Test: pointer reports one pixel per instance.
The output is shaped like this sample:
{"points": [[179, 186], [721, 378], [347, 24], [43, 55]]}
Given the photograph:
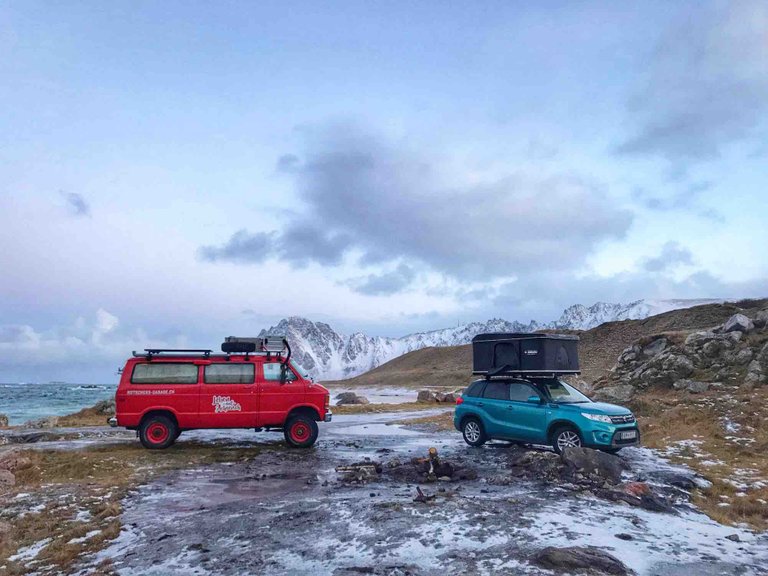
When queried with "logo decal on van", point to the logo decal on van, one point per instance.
{"points": [[225, 404]]}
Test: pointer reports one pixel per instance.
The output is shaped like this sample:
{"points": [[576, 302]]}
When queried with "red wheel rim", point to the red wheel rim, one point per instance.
{"points": [[299, 432], [157, 433]]}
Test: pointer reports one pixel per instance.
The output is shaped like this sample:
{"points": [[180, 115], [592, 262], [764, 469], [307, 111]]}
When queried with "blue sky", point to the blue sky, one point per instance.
{"points": [[173, 172]]}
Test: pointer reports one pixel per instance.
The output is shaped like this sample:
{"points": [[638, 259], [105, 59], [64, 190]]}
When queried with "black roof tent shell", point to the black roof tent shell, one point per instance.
{"points": [[526, 355]]}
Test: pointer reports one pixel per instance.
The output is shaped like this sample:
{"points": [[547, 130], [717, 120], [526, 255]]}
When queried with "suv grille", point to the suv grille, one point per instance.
{"points": [[628, 419]]}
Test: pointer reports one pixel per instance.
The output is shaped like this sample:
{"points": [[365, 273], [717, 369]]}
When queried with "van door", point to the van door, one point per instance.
{"points": [[228, 397], [276, 398]]}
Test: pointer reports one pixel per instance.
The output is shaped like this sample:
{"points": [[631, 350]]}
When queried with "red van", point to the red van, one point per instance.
{"points": [[254, 384]]}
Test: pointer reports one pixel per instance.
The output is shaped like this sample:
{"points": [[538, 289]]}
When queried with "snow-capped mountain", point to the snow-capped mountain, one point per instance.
{"points": [[328, 355]]}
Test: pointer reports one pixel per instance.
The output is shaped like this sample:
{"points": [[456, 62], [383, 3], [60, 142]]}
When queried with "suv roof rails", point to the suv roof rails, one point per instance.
{"points": [[149, 352]]}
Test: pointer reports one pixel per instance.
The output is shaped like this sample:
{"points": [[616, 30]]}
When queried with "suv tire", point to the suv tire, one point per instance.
{"points": [[565, 436], [158, 432], [473, 432], [300, 431]]}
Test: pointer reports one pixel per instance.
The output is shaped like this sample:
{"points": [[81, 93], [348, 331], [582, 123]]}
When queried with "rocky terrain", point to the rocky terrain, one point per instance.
{"points": [[371, 498], [326, 354]]}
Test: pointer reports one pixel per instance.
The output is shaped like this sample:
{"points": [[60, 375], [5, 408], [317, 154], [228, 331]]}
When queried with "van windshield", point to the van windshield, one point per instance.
{"points": [[299, 369], [563, 393]]}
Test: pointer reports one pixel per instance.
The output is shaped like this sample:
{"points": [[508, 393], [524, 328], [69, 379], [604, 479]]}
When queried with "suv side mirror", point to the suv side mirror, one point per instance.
{"points": [[534, 399]]}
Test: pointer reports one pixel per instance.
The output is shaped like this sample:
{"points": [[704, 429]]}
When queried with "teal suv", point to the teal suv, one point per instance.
{"points": [[544, 411]]}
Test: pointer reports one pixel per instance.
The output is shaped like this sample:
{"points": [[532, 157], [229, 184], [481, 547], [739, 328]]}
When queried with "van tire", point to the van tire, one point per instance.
{"points": [[158, 432], [563, 435], [473, 432], [300, 431]]}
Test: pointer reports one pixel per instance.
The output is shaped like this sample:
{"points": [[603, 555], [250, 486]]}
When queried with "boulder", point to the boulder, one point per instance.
{"points": [[738, 322], [48, 422], [577, 558], [426, 396], [445, 397], [743, 357], [350, 398], [3, 421], [761, 319], [655, 347], [594, 463], [105, 407], [691, 386], [620, 393]]}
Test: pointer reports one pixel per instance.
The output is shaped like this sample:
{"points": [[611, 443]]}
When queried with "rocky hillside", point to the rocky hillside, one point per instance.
{"points": [[598, 348], [328, 354], [731, 354]]}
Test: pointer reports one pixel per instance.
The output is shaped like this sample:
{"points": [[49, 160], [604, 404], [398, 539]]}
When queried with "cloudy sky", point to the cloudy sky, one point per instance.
{"points": [[173, 172]]}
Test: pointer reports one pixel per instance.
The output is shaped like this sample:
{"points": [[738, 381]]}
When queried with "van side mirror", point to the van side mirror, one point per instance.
{"points": [[534, 399]]}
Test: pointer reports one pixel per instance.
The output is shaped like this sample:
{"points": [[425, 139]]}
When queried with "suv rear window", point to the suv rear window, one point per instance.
{"points": [[229, 373], [164, 373], [475, 389], [496, 390]]}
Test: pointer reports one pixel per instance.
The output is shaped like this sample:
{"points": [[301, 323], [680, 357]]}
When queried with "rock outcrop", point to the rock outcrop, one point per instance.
{"points": [[350, 398], [574, 559], [3, 421], [734, 353]]}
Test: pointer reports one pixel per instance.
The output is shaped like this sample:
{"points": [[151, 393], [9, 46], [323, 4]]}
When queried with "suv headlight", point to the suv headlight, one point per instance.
{"points": [[597, 417]]}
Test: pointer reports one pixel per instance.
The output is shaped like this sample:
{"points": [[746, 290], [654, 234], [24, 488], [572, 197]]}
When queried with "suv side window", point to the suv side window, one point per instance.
{"points": [[228, 373], [475, 389], [164, 373], [272, 372], [496, 390], [520, 392]]}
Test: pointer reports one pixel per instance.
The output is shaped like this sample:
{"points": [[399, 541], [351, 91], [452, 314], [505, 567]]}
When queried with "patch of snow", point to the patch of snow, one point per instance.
{"points": [[87, 536], [30, 552]]}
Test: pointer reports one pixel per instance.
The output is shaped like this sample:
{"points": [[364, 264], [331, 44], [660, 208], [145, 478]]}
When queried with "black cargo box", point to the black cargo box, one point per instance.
{"points": [[502, 354]]}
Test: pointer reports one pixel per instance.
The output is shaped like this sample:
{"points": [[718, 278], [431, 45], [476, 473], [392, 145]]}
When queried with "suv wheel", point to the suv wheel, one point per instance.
{"points": [[565, 437], [300, 431], [473, 432], [158, 432]]}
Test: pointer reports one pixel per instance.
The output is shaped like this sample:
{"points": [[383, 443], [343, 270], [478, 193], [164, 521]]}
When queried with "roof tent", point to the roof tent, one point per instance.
{"points": [[508, 354]]}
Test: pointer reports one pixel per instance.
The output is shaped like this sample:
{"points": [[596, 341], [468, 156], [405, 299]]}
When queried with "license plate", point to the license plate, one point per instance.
{"points": [[628, 435]]}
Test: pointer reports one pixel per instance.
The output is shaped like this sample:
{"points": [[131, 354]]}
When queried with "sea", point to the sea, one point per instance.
{"points": [[22, 401]]}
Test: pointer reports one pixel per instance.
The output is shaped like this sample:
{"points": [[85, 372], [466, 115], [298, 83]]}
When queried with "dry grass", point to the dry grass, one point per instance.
{"points": [[85, 417], [725, 458], [379, 408], [439, 422], [93, 480]]}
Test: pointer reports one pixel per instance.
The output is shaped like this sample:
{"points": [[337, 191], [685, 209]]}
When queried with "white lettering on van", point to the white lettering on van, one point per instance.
{"points": [[225, 404]]}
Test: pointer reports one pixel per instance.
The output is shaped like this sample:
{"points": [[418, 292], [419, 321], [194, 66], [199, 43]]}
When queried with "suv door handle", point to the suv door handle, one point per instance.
{"points": [[510, 407], [480, 404]]}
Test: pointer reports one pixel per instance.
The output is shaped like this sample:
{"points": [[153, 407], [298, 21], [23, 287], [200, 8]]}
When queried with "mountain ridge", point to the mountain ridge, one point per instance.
{"points": [[329, 355]]}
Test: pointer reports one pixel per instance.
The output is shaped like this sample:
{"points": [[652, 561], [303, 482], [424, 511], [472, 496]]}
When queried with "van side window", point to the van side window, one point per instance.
{"points": [[272, 372], [521, 392], [229, 373], [164, 373], [496, 390]]}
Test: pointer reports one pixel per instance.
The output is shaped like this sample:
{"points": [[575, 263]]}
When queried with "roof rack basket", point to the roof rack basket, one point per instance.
{"points": [[149, 352]]}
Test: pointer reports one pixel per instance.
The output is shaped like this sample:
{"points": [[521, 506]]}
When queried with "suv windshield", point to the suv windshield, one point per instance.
{"points": [[563, 393]]}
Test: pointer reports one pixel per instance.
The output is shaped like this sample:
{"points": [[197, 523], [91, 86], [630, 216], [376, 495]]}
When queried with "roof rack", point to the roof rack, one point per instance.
{"points": [[149, 352]]}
